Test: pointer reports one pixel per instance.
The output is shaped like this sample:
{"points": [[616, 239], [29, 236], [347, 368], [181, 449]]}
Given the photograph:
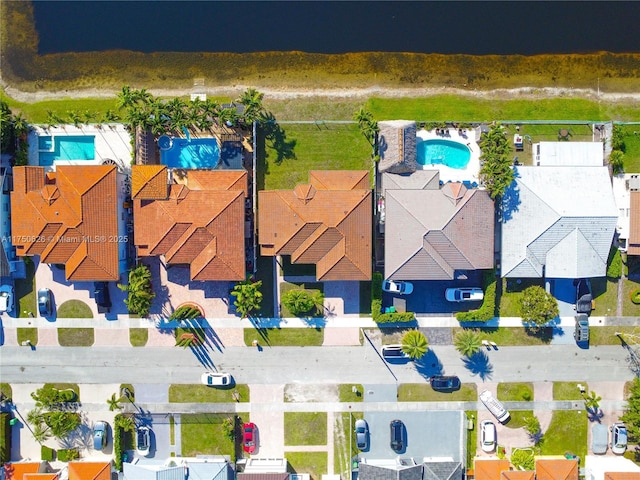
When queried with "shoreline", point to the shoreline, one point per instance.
{"points": [[285, 93]]}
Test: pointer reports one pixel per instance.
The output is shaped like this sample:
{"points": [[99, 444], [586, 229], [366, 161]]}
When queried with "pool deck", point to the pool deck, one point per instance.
{"points": [[447, 174], [112, 141]]}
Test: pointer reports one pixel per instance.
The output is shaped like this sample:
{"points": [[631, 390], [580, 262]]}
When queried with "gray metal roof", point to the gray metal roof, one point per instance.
{"points": [[558, 222], [397, 146], [432, 233]]}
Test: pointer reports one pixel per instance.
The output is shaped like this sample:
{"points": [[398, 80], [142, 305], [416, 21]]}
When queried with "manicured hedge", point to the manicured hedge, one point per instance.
{"points": [[48, 454], [5, 437], [635, 296], [68, 455], [376, 305], [614, 267], [487, 310]]}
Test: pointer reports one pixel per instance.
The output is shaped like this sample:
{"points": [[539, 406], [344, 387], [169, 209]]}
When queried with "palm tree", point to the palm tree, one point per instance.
{"points": [[467, 342], [114, 403], [75, 117], [252, 101], [111, 116], [228, 116], [140, 293], [415, 344], [248, 296], [20, 125], [125, 98], [592, 401]]}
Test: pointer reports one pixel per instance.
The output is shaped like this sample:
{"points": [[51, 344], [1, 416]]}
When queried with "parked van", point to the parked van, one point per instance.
{"points": [[496, 407], [599, 439]]}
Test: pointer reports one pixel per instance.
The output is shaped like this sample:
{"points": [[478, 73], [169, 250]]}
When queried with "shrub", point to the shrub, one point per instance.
{"points": [[301, 302], [616, 160], [635, 296], [617, 139], [121, 425], [538, 307], [229, 428], [5, 437], [186, 312], [68, 455], [523, 459], [614, 263], [487, 310], [48, 454], [376, 305]]}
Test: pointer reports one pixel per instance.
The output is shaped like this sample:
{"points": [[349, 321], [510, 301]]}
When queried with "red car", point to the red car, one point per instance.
{"points": [[249, 437]]}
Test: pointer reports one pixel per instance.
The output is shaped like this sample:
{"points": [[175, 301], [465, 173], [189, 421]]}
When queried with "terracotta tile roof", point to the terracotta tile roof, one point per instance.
{"points": [[633, 247], [65, 216], [518, 475], [327, 222], [622, 476], [149, 182], [17, 471], [490, 469], [556, 469], [89, 471], [40, 476], [211, 239]]}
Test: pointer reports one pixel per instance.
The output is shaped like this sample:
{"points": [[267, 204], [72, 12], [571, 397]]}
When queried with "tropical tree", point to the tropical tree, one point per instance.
{"points": [[496, 173], [41, 432], [75, 117], [616, 160], [631, 416], [301, 302], [538, 307], [252, 101], [114, 403], [523, 459], [125, 98], [415, 344], [592, 401], [20, 125], [248, 296], [368, 127], [467, 342], [532, 426], [228, 116], [111, 116], [140, 292], [62, 423]]}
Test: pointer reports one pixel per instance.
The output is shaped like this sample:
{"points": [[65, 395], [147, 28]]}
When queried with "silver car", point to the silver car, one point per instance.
{"points": [[618, 438], [362, 434]]}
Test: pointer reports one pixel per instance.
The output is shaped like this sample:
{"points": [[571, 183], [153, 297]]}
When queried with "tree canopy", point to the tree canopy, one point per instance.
{"points": [[496, 173], [415, 344], [631, 416], [248, 296], [538, 307]]}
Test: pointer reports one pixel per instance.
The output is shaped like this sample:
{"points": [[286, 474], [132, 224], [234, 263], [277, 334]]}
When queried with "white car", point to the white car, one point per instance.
{"points": [[463, 294], [488, 436], [213, 379], [393, 352], [6, 299], [618, 438], [401, 288]]}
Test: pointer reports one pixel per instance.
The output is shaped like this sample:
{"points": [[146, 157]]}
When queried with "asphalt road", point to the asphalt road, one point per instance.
{"points": [[307, 365]]}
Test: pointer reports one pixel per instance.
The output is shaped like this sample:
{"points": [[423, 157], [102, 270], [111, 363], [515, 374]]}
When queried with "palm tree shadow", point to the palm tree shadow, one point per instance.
{"points": [[595, 414], [479, 364], [429, 365]]}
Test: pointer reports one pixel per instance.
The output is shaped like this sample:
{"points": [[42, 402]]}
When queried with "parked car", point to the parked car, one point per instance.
{"points": [[471, 294], [100, 435], [362, 434], [495, 406], [488, 436], [401, 288], [599, 439], [143, 440], [581, 333], [618, 438], [215, 379], [45, 302], [101, 294], [397, 432], [6, 299], [249, 437], [393, 352], [441, 383], [584, 298]]}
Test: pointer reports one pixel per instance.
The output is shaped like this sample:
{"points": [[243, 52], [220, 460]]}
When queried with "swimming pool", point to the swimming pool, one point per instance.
{"points": [[196, 153], [65, 147], [446, 152]]}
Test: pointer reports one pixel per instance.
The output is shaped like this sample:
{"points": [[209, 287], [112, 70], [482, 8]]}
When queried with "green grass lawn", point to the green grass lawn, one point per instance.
{"points": [[30, 334], [25, 291], [75, 337], [311, 288], [511, 336], [607, 335], [422, 392], [284, 337], [472, 438], [511, 295], [67, 386], [202, 434], [567, 390], [566, 433], [180, 393], [515, 392], [311, 147], [342, 433], [74, 309], [305, 428], [630, 309], [605, 294], [138, 336], [632, 147], [518, 418], [313, 463], [345, 390]]}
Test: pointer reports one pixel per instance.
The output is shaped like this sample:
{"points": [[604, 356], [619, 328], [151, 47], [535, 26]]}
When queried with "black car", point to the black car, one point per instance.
{"points": [[45, 302], [441, 383], [581, 333], [397, 431], [584, 298], [101, 294]]}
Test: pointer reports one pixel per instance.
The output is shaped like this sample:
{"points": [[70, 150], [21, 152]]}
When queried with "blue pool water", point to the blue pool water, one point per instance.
{"points": [[65, 147], [446, 152], [198, 153]]}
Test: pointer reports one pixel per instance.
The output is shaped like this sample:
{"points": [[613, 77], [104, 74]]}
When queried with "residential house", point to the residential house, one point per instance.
{"points": [[610, 467], [89, 470], [201, 467], [192, 217], [490, 468], [556, 469], [68, 217], [433, 231], [518, 475], [397, 146], [27, 470], [326, 222], [557, 222], [564, 154]]}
